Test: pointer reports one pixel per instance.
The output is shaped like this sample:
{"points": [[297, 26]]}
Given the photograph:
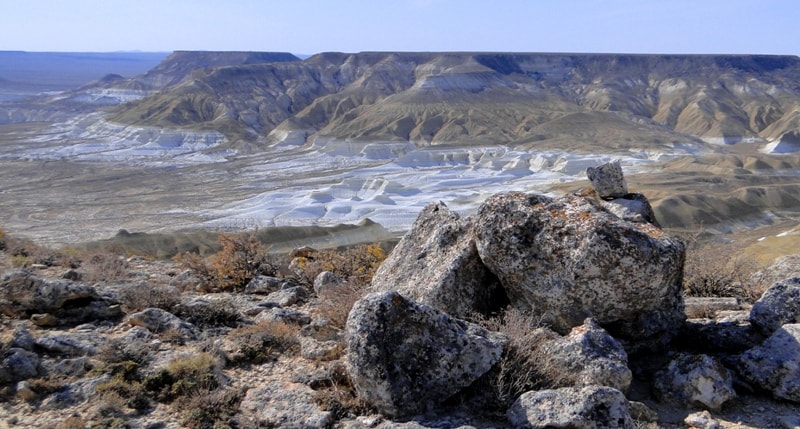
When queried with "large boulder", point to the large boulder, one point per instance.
{"points": [[696, 380], [779, 305], [405, 357], [590, 407], [592, 356], [437, 264], [773, 366], [568, 259]]}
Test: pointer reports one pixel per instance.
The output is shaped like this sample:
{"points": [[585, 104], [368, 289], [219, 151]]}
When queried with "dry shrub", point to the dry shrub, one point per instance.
{"points": [[185, 376], [210, 314], [2, 239], [720, 270], [525, 364], [241, 258], [263, 342], [72, 422], [104, 266], [356, 265], [340, 397], [137, 297], [335, 304], [24, 253], [120, 391], [210, 409]]}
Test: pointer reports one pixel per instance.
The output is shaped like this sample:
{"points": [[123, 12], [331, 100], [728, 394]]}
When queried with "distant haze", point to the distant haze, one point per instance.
{"points": [[312, 26]]}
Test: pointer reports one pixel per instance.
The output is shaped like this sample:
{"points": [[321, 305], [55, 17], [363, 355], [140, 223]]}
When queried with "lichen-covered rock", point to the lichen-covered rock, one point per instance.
{"points": [[70, 343], [701, 420], [568, 259], [608, 180], [592, 356], [285, 315], [18, 364], [773, 366], [327, 282], [286, 297], [265, 285], [157, 320], [590, 407], [633, 208], [437, 264], [696, 380], [284, 405], [779, 305], [53, 302], [405, 357]]}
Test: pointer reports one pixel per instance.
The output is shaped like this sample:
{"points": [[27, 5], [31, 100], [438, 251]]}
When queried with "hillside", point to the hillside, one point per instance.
{"points": [[486, 98]]}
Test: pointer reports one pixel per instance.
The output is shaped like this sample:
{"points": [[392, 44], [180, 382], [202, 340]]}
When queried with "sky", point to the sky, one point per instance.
{"points": [[312, 26]]}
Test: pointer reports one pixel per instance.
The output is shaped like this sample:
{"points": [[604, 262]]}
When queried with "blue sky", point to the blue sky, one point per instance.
{"points": [[311, 26]]}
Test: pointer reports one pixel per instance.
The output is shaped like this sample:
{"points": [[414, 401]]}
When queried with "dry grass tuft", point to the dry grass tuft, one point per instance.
{"points": [[264, 342], [356, 265], [210, 409], [721, 270], [335, 305]]}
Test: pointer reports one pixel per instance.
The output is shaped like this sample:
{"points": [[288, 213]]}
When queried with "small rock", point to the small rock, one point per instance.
{"points": [[593, 356], [702, 307], [22, 338], [632, 208], [779, 305], [25, 392], [327, 282], [157, 320], [265, 285], [285, 315], [312, 349], [289, 405], [697, 380], [701, 420], [591, 407], [70, 343], [19, 364], [608, 180], [641, 412], [287, 297], [72, 274]]}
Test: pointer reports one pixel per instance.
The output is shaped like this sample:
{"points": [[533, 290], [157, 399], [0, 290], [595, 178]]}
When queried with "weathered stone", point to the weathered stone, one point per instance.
{"points": [[22, 338], [696, 380], [70, 343], [590, 407], [641, 412], [265, 285], [312, 349], [592, 356], [56, 302], [701, 420], [285, 315], [25, 392], [157, 320], [286, 297], [405, 357], [779, 305], [327, 282], [18, 364], [568, 259], [608, 180], [717, 336], [72, 274], [437, 264], [284, 405], [633, 208], [772, 366]]}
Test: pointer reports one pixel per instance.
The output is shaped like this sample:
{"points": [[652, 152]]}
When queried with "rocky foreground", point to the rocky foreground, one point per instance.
{"points": [[534, 312]]}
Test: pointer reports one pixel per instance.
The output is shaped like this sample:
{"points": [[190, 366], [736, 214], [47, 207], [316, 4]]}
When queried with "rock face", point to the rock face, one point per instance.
{"points": [[698, 380], [779, 305], [608, 180], [405, 357], [596, 357], [568, 259], [773, 365], [591, 407], [52, 302], [633, 208], [437, 264]]}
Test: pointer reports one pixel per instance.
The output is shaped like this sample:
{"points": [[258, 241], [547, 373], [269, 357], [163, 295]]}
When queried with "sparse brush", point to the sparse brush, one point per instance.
{"points": [[210, 410], [215, 313], [72, 422], [131, 393], [241, 258], [720, 270], [525, 364], [137, 297], [184, 376], [357, 265], [340, 396], [263, 342], [335, 304], [104, 267]]}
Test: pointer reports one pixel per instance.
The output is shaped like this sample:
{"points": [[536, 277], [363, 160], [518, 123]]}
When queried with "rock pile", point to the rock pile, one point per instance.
{"points": [[596, 268]]}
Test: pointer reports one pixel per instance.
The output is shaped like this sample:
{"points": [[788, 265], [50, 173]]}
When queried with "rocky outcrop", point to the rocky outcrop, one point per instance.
{"points": [[406, 357], [437, 264], [695, 380], [591, 407], [53, 302], [772, 366], [567, 259], [157, 320], [779, 305], [592, 356]]}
